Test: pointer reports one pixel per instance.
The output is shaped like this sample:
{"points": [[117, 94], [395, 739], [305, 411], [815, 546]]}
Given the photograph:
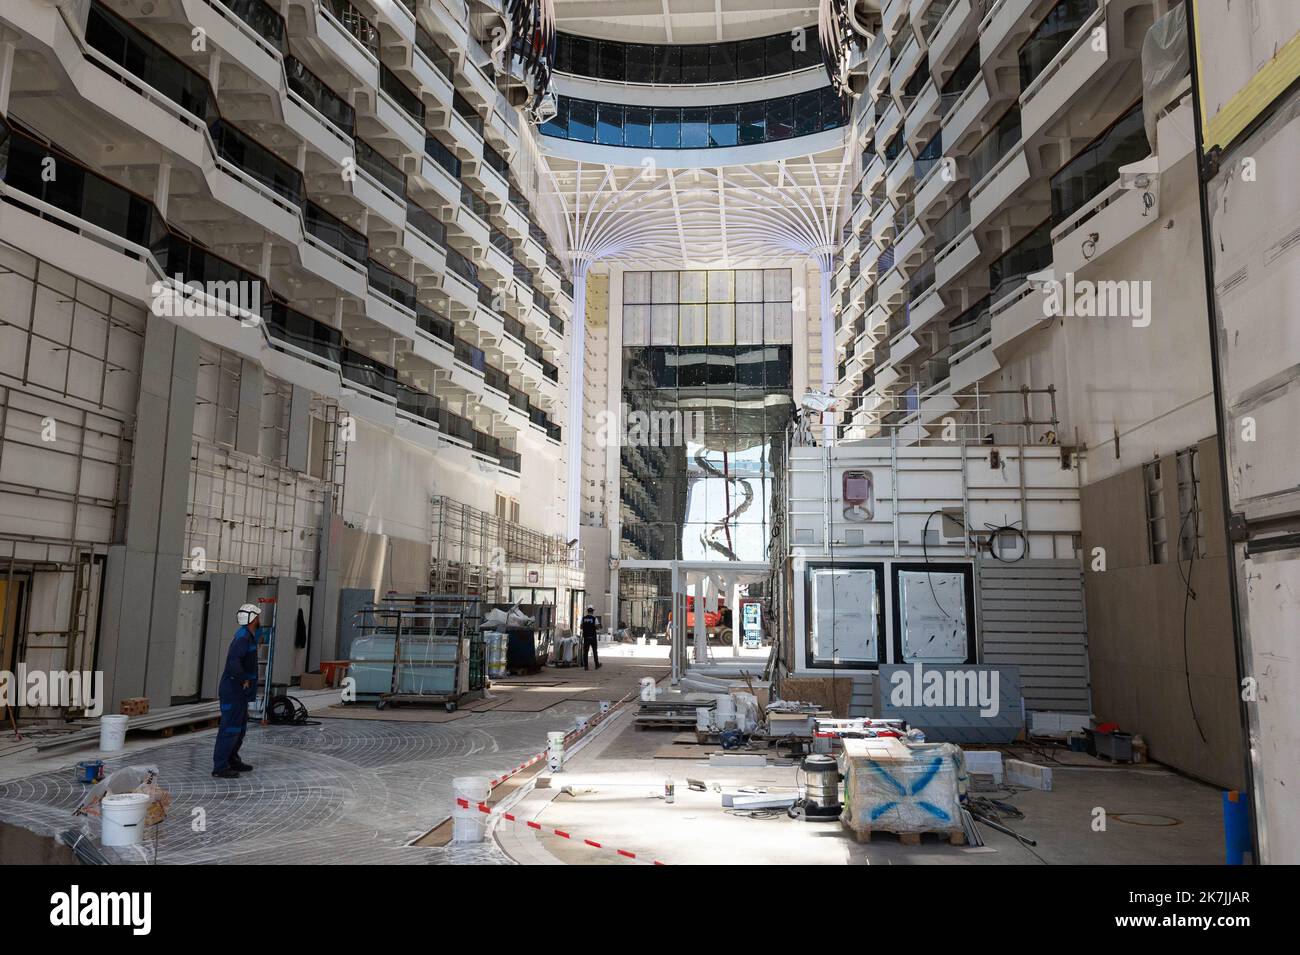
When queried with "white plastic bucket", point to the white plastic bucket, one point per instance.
{"points": [[555, 751], [604, 707], [580, 722], [123, 819], [648, 689], [112, 733], [469, 823]]}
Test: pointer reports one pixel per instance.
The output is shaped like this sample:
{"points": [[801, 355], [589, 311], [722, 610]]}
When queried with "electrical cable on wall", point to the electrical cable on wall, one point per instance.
{"points": [[1189, 595]]}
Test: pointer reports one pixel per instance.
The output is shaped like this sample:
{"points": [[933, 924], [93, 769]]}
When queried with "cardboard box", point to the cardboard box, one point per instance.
{"points": [[312, 681]]}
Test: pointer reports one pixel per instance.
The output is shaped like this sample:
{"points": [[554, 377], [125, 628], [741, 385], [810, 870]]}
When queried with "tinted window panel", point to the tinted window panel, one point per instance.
{"points": [[668, 64], [807, 113], [695, 64], [640, 63], [751, 57], [695, 128], [722, 126], [780, 119], [582, 55], [753, 123], [667, 133], [636, 127], [780, 54], [582, 121], [722, 63], [610, 127], [611, 61]]}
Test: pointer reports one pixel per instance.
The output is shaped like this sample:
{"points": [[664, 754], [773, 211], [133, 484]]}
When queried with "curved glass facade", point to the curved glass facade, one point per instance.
{"points": [[690, 63], [696, 127]]}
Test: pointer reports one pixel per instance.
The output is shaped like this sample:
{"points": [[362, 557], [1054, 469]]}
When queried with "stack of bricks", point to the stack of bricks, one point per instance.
{"points": [[135, 706]]}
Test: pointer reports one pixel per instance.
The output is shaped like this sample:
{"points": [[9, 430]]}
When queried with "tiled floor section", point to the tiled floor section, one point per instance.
{"points": [[346, 791]]}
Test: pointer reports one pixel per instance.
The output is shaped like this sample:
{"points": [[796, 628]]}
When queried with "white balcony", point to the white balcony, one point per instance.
{"points": [[887, 376], [497, 264], [891, 16], [892, 283], [967, 117], [492, 184], [534, 254], [890, 120], [424, 251], [1071, 69], [937, 185], [882, 226], [877, 319], [957, 23], [922, 118], [898, 178], [399, 122], [443, 183], [516, 222], [1015, 315], [467, 230], [878, 76], [1006, 26], [1106, 222], [903, 347], [435, 88], [973, 363], [874, 173], [999, 187], [459, 290], [956, 258], [378, 199], [926, 308], [906, 62], [910, 247], [859, 287]]}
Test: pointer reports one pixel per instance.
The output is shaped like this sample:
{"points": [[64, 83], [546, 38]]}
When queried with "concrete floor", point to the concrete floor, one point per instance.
{"points": [[361, 790], [617, 800]]}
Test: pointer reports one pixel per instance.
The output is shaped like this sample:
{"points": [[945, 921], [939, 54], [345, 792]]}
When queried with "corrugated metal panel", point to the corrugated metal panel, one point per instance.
{"points": [[1031, 615]]}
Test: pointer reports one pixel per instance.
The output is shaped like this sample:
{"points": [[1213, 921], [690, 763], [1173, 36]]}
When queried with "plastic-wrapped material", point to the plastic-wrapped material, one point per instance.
{"points": [[1164, 64], [131, 779], [900, 788]]}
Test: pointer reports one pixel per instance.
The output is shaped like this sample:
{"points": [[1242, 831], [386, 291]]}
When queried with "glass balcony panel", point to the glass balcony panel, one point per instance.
{"points": [[335, 233], [1031, 254], [667, 131], [1090, 172], [1051, 36], [636, 127], [308, 86], [695, 127], [609, 125], [988, 152]]}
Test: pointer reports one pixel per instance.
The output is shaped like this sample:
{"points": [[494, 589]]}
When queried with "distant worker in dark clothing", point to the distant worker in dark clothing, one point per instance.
{"points": [[238, 688], [590, 625]]}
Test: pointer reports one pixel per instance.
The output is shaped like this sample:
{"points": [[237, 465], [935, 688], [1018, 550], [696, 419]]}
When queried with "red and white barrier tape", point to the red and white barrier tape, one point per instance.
{"points": [[568, 737], [563, 834]]}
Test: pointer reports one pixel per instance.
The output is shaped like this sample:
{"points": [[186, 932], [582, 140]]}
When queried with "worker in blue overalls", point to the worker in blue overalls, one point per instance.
{"points": [[238, 688]]}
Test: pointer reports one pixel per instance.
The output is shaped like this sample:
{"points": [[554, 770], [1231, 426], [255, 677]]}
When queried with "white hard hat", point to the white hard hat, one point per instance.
{"points": [[247, 614]]}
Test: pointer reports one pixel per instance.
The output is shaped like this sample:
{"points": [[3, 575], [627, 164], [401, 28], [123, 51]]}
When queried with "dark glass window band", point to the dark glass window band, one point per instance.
{"points": [[688, 64], [696, 127]]}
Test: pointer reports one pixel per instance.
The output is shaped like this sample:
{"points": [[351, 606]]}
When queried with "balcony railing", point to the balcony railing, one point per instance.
{"points": [[373, 162], [999, 141], [462, 267], [933, 15], [365, 371], [335, 233], [928, 157], [302, 331], [312, 89], [466, 111], [970, 326], [149, 62], [264, 20], [953, 223], [434, 324], [474, 202], [1051, 36], [237, 147], [417, 403], [470, 355], [391, 285], [409, 102], [1085, 176], [967, 71], [1031, 254], [426, 223], [427, 45], [443, 156], [355, 23], [919, 283]]}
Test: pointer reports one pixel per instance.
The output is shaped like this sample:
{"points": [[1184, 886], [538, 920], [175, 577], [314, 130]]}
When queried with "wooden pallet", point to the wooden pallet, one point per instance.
{"points": [[664, 723], [956, 837], [166, 732]]}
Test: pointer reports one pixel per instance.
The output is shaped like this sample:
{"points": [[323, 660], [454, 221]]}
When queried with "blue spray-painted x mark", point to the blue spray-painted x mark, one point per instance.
{"points": [[905, 795]]}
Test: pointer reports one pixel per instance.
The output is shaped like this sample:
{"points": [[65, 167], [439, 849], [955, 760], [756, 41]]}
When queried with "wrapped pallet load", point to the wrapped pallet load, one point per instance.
{"points": [[907, 789]]}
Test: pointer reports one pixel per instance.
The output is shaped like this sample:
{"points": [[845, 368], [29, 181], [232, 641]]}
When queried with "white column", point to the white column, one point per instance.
{"points": [[577, 381], [824, 261], [701, 634]]}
